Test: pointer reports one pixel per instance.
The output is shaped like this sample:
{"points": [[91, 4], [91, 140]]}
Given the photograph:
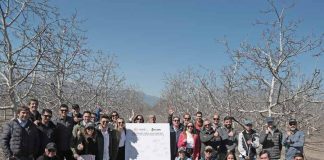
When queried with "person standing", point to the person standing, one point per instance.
{"points": [[175, 130], [248, 141], [271, 139], [75, 114], [191, 141], [121, 129], [293, 140], [46, 130], [228, 134], [20, 136], [216, 123], [35, 116], [211, 138], [87, 143], [198, 121], [63, 133], [107, 140]]}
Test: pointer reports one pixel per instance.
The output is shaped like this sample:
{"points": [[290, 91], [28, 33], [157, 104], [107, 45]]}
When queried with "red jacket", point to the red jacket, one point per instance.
{"points": [[182, 142]]}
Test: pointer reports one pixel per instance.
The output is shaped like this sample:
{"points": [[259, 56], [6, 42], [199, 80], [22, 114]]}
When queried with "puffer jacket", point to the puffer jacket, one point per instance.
{"points": [[272, 143], [20, 141], [46, 135]]}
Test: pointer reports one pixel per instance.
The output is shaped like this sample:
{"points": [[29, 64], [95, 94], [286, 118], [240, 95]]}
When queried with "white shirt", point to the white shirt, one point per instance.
{"points": [[122, 139], [22, 123], [106, 145], [190, 140]]}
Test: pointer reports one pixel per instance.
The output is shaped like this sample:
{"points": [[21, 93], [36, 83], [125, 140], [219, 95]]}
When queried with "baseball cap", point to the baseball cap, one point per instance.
{"points": [[269, 119], [181, 149], [292, 120], [248, 122], [90, 125], [51, 146], [209, 148]]}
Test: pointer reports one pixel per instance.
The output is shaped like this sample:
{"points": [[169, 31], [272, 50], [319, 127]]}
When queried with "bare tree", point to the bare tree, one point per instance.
{"points": [[23, 42]]}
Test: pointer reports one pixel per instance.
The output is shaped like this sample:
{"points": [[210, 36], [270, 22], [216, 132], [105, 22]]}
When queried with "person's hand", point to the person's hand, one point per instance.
{"points": [[249, 142], [76, 156], [132, 116], [171, 111], [216, 134], [267, 131], [36, 122], [231, 134], [80, 147]]}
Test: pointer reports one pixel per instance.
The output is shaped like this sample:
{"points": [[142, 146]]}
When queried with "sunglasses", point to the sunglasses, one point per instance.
{"points": [[104, 121], [216, 118], [47, 116], [176, 120], [120, 122], [292, 123], [64, 110], [209, 151]]}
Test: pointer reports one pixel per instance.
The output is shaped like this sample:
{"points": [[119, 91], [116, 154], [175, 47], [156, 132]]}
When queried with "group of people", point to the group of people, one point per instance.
{"points": [[204, 139], [101, 136]]}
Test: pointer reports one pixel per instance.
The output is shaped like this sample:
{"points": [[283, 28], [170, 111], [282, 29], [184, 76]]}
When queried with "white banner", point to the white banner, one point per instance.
{"points": [[145, 141]]}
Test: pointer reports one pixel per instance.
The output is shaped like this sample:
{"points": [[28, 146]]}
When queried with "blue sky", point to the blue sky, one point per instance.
{"points": [[152, 38]]}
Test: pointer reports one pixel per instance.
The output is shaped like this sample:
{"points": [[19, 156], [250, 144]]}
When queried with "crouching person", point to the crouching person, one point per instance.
{"points": [[50, 152]]}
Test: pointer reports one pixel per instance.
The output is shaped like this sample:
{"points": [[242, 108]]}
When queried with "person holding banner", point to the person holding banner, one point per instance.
{"points": [[191, 141]]}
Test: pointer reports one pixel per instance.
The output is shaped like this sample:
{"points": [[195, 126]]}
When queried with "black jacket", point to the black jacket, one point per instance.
{"points": [[19, 141], [63, 133], [46, 135]]}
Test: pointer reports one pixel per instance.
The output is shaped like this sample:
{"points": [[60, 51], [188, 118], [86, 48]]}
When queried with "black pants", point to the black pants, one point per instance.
{"points": [[68, 155], [121, 153]]}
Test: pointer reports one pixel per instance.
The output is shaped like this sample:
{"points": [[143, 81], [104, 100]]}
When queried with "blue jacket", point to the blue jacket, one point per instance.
{"points": [[293, 143]]}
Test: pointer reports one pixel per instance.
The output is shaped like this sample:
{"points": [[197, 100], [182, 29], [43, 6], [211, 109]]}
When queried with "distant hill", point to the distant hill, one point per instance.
{"points": [[150, 100]]}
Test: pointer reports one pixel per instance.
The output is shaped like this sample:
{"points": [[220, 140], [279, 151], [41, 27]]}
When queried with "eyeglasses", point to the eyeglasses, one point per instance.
{"points": [[47, 116], [216, 118], [292, 123]]}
